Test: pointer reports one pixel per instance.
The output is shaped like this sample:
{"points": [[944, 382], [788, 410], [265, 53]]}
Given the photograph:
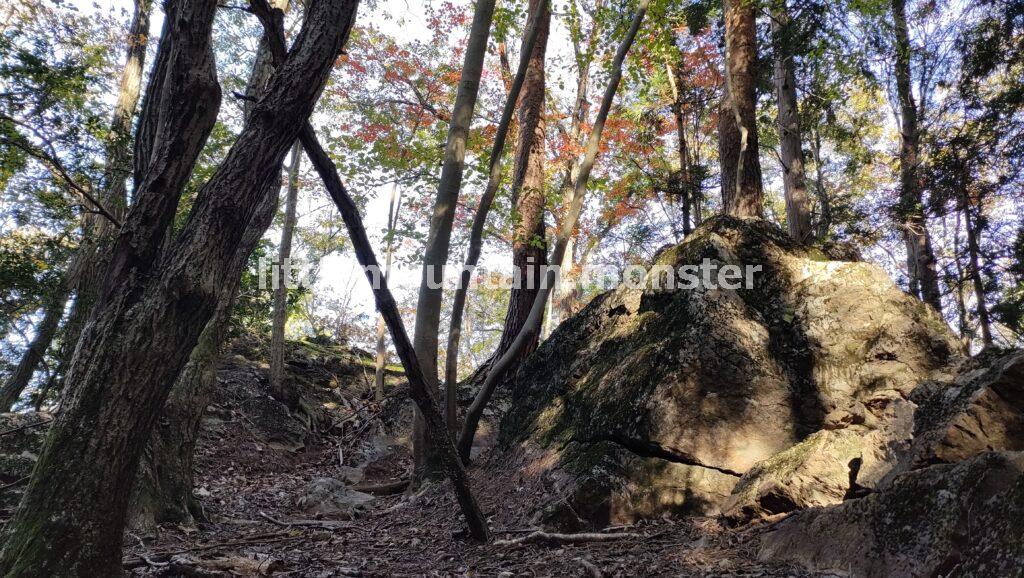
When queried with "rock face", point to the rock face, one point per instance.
{"points": [[658, 399], [945, 520]]}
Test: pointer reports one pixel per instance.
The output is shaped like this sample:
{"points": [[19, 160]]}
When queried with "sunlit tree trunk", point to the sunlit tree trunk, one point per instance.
{"points": [[529, 246], [394, 205], [435, 254], [798, 211], [742, 193], [284, 255], [924, 279], [509, 361], [506, 127]]}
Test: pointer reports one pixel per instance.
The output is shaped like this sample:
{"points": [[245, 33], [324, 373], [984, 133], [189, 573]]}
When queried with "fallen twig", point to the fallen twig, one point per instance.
{"points": [[24, 427], [268, 538], [592, 570], [548, 539], [328, 524], [16, 482]]}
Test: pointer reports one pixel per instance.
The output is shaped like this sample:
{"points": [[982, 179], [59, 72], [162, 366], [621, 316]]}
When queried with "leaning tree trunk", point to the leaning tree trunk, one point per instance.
{"points": [[419, 389], [165, 480], [742, 193], [531, 328], [529, 247], [798, 211], [435, 255], [924, 278], [53, 311], [154, 304], [284, 255]]}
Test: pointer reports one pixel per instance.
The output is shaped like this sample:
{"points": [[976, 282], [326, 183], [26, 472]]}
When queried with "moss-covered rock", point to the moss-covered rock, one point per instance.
{"points": [[720, 379]]}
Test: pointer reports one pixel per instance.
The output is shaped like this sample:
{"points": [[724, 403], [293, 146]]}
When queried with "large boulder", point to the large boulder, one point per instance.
{"points": [[964, 519], [658, 399]]}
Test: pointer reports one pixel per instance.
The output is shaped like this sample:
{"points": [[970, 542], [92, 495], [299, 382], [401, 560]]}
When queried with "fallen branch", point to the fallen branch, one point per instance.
{"points": [[385, 489], [328, 524], [268, 538], [591, 569], [546, 539], [25, 427]]}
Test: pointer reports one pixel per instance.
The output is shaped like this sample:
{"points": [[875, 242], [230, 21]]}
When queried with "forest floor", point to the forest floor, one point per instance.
{"points": [[251, 492]]}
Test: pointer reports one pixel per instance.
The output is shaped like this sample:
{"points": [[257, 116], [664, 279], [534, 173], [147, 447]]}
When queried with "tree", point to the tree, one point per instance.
{"points": [[435, 254], [284, 255], [924, 279], [83, 276], [529, 249], [798, 211], [531, 327], [742, 193], [534, 30], [71, 518]]}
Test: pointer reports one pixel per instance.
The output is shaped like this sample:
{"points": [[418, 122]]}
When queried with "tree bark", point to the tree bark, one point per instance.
{"points": [[435, 255], [531, 327], [742, 193], [924, 278], [476, 232], [284, 255], [529, 246], [53, 311], [798, 212], [154, 304], [165, 478]]}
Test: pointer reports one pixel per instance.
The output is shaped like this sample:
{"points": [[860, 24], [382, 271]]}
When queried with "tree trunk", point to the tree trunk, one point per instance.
{"points": [[435, 255], [284, 255], [394, 206], [974, 254], [476, 233], [154, 304], [53, 311], [87, 266], [529, 246], [798, 212], [742, 194], [825, 219], [165, 479], [565, 297], [507, 362], [418, 386], [924, 279]]}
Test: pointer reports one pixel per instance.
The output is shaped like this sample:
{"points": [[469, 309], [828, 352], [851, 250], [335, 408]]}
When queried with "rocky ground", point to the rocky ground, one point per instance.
{"points": [[283, 505]]}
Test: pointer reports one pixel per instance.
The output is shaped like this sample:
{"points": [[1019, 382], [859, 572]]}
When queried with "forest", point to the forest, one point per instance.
{"points": [[512, 287]]}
